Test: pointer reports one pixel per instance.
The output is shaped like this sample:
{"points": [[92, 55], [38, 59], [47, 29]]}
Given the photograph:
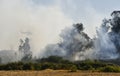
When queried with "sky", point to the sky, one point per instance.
{"points": [[43, 20], [89, 12]]}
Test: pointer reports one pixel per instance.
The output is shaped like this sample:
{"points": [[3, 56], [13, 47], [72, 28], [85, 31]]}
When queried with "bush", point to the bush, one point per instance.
{"points": [[73, 68], [58, 63], [53, 59], [37, 66], [88, 67], [110, 69], [47, 66], [28, 66]]}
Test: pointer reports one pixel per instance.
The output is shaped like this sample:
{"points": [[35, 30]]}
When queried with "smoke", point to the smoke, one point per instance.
{"points": [[77, 45], [24, 18], [42, 25], [104, 47], [73, 41], [9, 56]]}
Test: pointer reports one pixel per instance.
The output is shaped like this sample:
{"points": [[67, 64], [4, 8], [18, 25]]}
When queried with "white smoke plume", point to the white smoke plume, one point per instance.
{"points": [[42, 25], [104, 47], [19, 18], [24, 18], [76, 45], [73, 41]]}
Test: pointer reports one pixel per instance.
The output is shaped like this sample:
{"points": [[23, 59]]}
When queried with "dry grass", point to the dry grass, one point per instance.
{"points": [[54, 73]]}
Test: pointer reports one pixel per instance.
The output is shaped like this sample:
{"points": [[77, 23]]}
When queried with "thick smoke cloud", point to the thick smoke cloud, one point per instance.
{"points": [[20, 19], [73, 42], [24, 18], [112, 32], [77, 45], [104, 47]]}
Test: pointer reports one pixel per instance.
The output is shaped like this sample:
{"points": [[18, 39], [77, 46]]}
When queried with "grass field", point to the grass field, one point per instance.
{"points": [[54, 73]]}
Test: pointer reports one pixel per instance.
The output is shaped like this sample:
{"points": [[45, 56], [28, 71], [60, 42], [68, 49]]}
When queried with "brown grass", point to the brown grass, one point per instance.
{"points": [[49, 72]]}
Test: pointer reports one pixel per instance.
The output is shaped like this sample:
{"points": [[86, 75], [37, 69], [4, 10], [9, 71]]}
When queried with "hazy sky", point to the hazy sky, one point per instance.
{"points": [[102, 6], [89, 12], [45, 19]]}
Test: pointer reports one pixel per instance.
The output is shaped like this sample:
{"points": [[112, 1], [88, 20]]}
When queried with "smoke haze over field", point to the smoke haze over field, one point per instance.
{"points": [[77, 45], [48, 26], [42, 19], [23, 18]]}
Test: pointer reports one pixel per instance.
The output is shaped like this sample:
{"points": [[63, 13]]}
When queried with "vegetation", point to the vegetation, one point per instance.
{"points": [[58, 63], [110, 69]]}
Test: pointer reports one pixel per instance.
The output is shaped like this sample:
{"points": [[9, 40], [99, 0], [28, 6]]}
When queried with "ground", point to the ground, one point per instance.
{"points": [[54, 73]]}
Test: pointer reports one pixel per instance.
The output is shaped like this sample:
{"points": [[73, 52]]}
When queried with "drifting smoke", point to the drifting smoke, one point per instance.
{"points": [[109, 37], [74, 41], [24, 50], [104, 47], [77, 45], [25, 18], [23, 54]]}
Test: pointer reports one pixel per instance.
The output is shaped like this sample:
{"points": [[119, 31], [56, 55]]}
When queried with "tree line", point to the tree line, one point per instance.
{"points": [[58, 63]]}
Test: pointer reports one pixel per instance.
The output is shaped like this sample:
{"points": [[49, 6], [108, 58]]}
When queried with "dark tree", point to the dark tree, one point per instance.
{"points": [[115, 21], [79, 27], [24, 47]]}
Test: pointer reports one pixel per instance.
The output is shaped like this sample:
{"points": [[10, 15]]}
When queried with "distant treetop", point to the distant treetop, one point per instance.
{"points": [[115, 12]]}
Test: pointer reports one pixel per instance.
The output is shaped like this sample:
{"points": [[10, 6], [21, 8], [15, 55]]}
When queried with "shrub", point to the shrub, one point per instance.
{"points": [[73, 68], [28, 66], [110, 69]]}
